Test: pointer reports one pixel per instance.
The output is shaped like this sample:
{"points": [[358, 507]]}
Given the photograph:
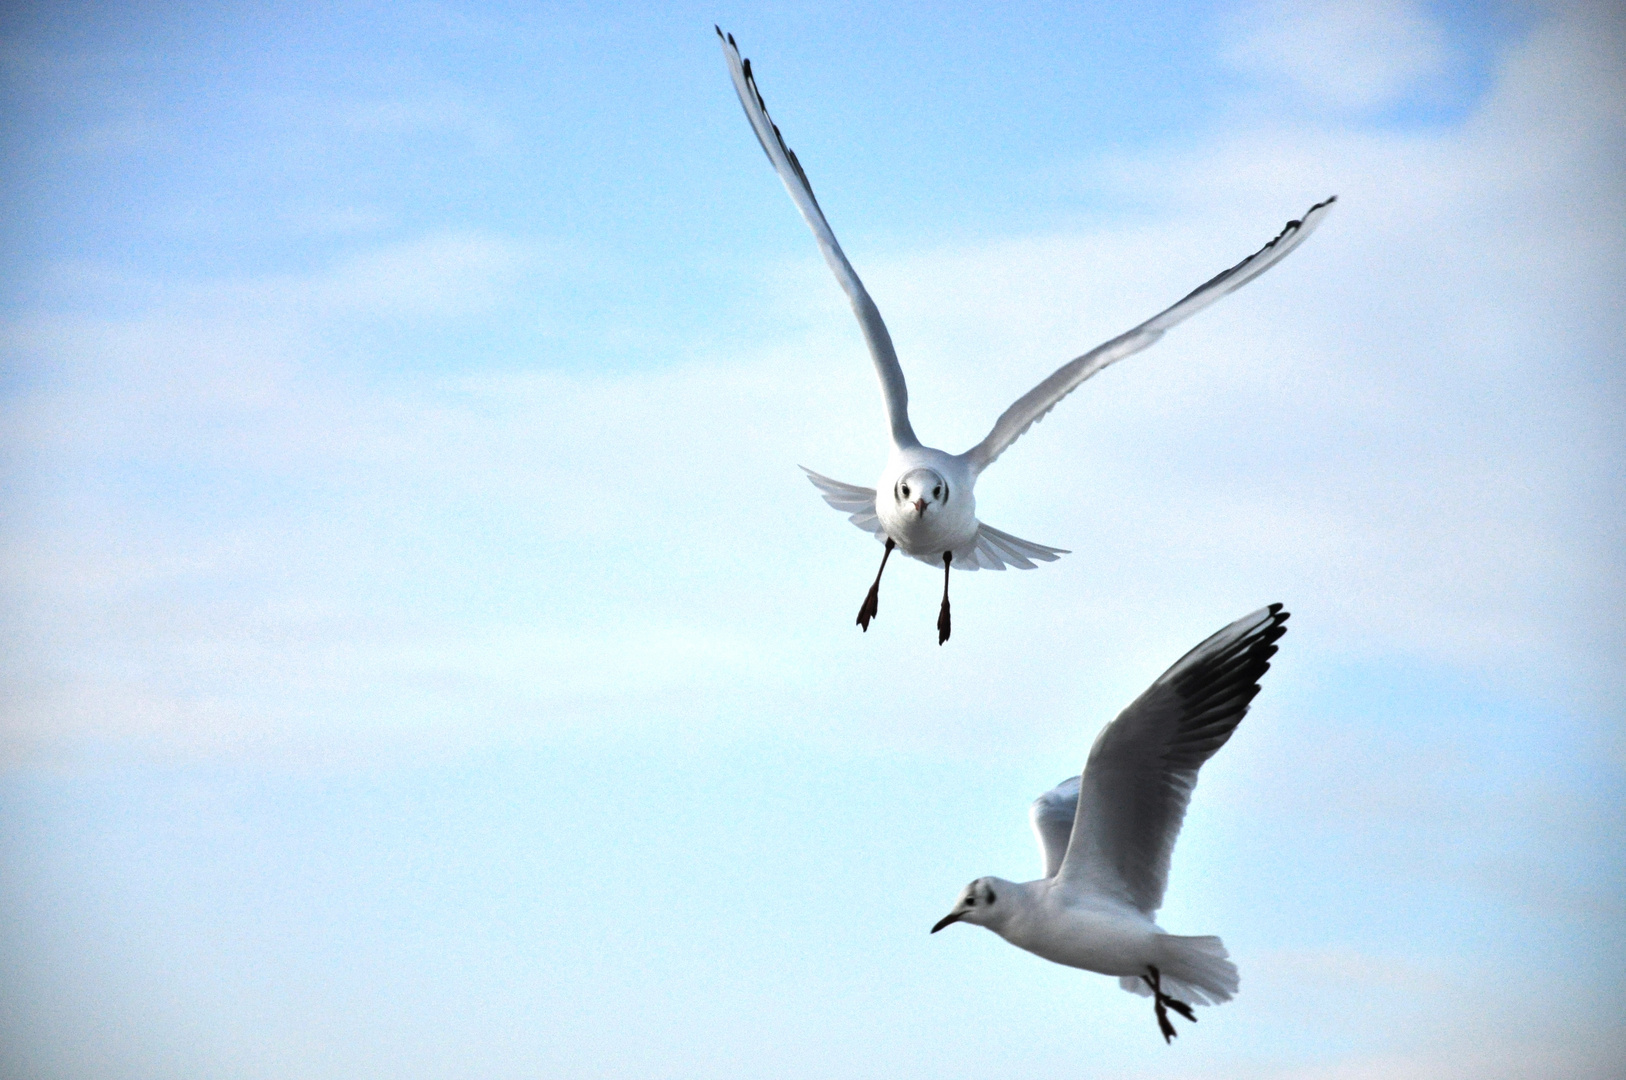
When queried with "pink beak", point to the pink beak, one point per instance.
{"points": [[920, 506]]}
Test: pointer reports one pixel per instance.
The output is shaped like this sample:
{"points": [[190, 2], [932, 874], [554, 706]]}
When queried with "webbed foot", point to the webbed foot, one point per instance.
{"points": [[1162, 1003], [872, 602]]}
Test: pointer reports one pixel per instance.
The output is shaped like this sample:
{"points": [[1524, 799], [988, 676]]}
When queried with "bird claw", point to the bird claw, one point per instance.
{"points": [[872, 606], [1161, 1003], [1163, 1023], [943, 622], [872, 602]]}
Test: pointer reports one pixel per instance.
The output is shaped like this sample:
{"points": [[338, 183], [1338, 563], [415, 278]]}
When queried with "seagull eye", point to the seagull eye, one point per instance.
{"points": [[971, 901], [906, 491], [937, 492]]}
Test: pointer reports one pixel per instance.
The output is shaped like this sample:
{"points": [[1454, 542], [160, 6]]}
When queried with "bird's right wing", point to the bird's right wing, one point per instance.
{"points": [[1141, 771], [801, 193], [856, 502], [1031, 407]]}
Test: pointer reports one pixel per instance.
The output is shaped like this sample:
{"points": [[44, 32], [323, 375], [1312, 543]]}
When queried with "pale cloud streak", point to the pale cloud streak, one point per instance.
{"points": [[1349, 55], [1400, 428], [242, 525]]}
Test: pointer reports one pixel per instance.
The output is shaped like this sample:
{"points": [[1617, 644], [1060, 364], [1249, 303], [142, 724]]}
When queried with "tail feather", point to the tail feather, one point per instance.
{"points": [[1196, 970], [991, 549]]}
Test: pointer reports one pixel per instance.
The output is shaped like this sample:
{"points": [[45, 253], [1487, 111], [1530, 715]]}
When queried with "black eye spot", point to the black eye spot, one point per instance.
{"points": [[906, 491], [937, 492], [971, 901], [991, 897]]}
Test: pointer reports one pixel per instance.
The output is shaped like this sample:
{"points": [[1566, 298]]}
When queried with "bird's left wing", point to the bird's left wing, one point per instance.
{"points": [[1141, 771], [1051, 816], [1032, 406], [801, 192], [993, 549]]}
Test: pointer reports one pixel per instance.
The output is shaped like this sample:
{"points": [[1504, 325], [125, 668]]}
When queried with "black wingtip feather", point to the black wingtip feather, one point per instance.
{"points": [[790, 155], [1219, 689], [1289, 229]]}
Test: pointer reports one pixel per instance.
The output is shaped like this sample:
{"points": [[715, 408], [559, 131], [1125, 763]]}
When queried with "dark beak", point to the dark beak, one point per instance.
{"points": [[951, 917], [920, 506]]}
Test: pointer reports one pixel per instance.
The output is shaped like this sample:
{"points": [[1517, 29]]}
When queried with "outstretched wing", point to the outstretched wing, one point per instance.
{"points": [[801, 193], [1032, 406], [856, 502], [1143, 767], [1052, 817]]}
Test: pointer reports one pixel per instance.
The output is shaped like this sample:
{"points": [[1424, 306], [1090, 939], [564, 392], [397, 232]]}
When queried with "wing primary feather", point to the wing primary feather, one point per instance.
{"points": [[1033, 406], [1144, 765], [1289, 238], [894, 391]]}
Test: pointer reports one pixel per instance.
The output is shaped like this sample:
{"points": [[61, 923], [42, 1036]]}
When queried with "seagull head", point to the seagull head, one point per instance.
{"points": [[980, 903], [920, 491]]}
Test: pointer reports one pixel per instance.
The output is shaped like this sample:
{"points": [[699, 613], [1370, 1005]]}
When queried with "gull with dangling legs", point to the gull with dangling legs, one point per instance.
{"points": [[923, 504], [1106, 836]]}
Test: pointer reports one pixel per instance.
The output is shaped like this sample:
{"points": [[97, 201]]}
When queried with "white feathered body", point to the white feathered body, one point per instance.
{"points": [[1078, 931], [951, 526], [1097, 934]]}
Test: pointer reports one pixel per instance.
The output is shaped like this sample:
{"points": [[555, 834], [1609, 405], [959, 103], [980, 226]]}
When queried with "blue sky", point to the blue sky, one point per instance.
{"points": [[424, 657]]}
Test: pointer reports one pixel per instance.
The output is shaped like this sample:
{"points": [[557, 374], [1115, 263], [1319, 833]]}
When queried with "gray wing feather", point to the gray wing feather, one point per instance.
{"points": [[801, 192], [1052, 818], [1143, 767], [1031, 407], [856, 502]]}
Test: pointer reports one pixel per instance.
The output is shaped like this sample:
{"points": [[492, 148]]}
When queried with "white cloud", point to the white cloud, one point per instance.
{"points": [[436, 277], [1401, 432], [443, 110], [1355, 55], [228, 535]]}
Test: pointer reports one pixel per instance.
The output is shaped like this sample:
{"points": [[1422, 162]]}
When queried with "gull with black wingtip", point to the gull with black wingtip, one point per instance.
{"points": [[1107, 836], [924, 504]]}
